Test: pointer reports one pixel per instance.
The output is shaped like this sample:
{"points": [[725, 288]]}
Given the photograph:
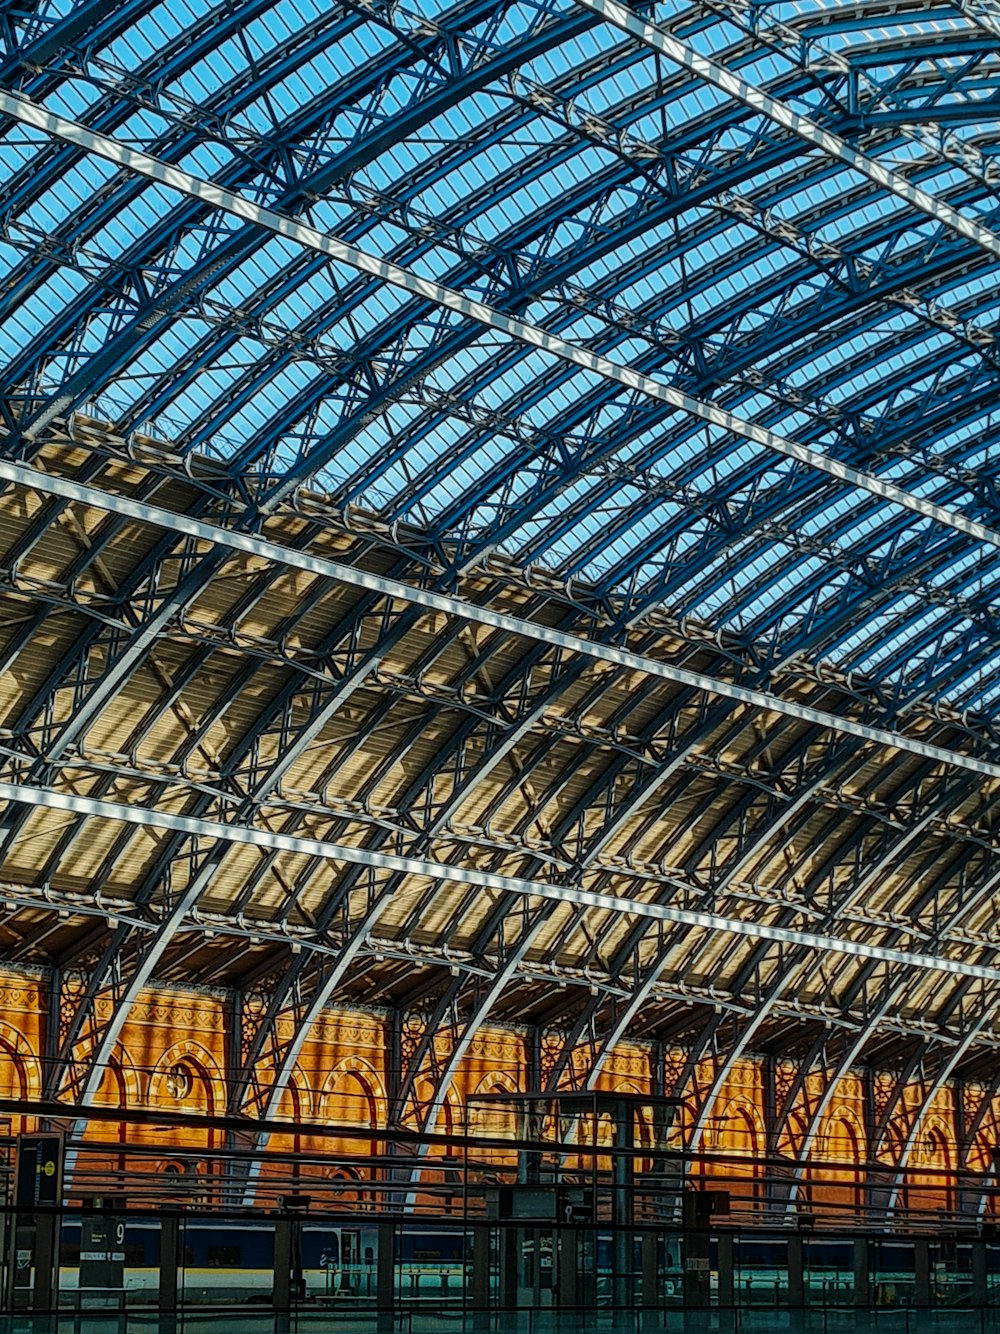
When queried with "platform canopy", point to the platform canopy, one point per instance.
{"points": [[500, 522]]}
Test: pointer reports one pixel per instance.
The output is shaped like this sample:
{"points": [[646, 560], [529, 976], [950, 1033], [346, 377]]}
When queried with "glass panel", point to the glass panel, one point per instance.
{"points": [[829, 1270], [893, 1276], [762, 1272], [225, 1262]]}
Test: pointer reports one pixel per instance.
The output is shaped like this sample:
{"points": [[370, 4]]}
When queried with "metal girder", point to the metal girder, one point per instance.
{"points": [[413, 866], [325, 986], [510, 967], [713, 72], [83, 18], [511, 962], [935, 1087], [764, 1008], [848, 1060], [790, 973], [591, 462], [227, 201], [91, 498], [397, 590]]}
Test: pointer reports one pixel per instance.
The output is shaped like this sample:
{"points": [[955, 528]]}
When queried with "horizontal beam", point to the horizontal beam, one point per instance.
{"points": [[228, 201], [66, 489], [48, 799]]}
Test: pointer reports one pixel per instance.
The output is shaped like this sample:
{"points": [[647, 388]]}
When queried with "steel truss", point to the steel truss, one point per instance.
{"points": [[653, 519]]}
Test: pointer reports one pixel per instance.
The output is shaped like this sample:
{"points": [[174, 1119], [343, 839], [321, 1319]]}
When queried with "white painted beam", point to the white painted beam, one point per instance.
{"points": [[250, 545], [753, 97], [195, 827], [218, 197]]}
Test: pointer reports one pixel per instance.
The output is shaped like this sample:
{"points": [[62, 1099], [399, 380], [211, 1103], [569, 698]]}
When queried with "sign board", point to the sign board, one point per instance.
{"points": [[38, 1178], [551, 1204], [102, 1252]]}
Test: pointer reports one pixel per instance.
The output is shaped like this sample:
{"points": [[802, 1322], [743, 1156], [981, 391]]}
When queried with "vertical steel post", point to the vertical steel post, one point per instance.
{"points": [[385, 1277], [281, 1292], [796, 1270], [921, 1272], [862, 1272], [167, 1295]]}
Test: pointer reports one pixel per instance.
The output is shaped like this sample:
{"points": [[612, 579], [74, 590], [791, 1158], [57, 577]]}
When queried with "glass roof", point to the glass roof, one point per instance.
{"points": [[539, 158]]}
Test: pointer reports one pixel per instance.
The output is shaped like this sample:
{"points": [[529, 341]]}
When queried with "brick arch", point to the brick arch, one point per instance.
{"points": [[483, 1120], [296, 1102], [121, 1088], [205, 1096], [353, 1094], [741, 1117], [843, 1144], [208, 1087], [935, 1163], [843, 1137], [20, 1068], [742, 1134]]}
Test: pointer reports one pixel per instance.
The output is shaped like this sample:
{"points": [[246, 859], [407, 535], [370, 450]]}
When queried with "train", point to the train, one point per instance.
{"points": [[230, 1262]]}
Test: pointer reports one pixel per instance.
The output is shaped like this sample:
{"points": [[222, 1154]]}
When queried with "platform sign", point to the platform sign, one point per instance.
{"points": [[102, 1252], [38, 1191], [556, 1204], [39, 1176]]}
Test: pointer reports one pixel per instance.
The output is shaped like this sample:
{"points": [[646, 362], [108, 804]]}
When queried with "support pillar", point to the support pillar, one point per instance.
{"points": [[566, 1243], [623, 1202], [509, 1267], [980, 1288], [167, 1295], [479, 1295], [43, 1296], [649, 1251], [921, 1272], [385, 1275], [281, 1292], [796, 1271], [862, 1272], [696, 1274], [727, 1270]]}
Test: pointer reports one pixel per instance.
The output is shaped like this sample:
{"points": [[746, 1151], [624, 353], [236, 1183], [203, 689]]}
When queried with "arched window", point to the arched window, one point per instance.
{"points": [[844, 1147], [936, 1154]]}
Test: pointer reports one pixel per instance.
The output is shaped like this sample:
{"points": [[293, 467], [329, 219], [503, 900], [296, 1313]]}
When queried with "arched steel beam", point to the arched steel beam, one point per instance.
{"points": [[478, 312], [801, 961], [756, 100], [529, 935], [327, 985], [970, 1034], [850, 1056], [644, 989], [84, 17], [447, 872], [781, 984], [475, 614]]}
